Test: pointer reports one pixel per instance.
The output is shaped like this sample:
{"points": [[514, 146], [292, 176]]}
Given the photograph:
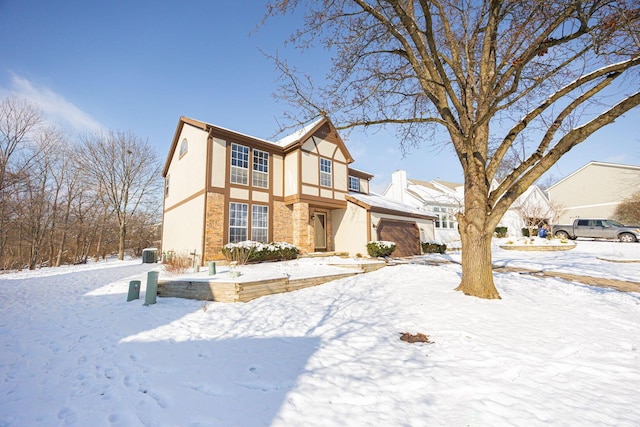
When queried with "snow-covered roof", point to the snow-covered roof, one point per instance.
{"points": [[291, 138], [374, 200]]}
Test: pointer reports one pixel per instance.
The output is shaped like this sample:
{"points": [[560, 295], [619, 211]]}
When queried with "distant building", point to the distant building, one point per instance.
{"points": [[444, 199], [594, 190]]}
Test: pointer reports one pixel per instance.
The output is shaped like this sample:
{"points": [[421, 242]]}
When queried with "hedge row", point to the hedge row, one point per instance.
{"points": [[250, 251]]}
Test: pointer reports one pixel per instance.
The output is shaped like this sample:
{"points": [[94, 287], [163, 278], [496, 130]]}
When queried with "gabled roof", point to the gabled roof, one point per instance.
{"points": [[291, 141], [299, 134], [594, 163], [374, 202], [297, 138]]}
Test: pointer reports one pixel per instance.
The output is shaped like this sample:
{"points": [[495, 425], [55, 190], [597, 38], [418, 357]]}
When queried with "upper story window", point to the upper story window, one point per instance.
{"points": [[445, 217], [260, 169], [184, 147], [325, 172], [166, 186], [239, 164], [354, 183]]}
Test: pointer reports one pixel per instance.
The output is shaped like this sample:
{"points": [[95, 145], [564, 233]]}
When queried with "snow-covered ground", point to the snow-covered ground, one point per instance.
{"points": [[74, 352]]}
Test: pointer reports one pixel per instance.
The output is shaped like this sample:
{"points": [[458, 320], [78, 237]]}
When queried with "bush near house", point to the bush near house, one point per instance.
{"points": [[250, 251], [433, 248], [380, 248], [501, 231], [177, 264]]}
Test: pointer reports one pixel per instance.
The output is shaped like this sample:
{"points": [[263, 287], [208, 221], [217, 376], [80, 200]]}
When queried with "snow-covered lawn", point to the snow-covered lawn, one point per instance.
{"points": [[73, 352]]}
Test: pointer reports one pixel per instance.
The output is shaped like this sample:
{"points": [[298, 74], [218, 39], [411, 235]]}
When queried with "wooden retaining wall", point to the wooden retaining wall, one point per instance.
{"points": [[215, 290]]}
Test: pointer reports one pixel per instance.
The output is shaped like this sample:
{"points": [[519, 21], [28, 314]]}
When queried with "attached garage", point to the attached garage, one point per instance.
{"points": [[370, 217], [405, 234]]}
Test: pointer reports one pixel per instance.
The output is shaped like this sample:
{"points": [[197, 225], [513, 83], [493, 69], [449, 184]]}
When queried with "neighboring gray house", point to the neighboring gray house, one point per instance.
{"points": [[594, 190]]}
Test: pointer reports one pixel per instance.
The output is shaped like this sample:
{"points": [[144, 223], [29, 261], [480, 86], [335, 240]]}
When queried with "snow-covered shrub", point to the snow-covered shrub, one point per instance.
{"points": [[250, 251], [433, 248], [501, 232], [380, 248]]}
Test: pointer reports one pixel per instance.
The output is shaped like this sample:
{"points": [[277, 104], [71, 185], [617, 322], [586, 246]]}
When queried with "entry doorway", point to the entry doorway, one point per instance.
{"points": [[320, 231]]}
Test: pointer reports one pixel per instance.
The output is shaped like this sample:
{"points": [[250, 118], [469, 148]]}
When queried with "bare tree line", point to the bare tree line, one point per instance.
{"points": [[64, 201]]}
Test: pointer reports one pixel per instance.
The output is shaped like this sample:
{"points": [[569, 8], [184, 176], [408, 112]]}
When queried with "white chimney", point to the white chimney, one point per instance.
{"points": [[398, 185]]}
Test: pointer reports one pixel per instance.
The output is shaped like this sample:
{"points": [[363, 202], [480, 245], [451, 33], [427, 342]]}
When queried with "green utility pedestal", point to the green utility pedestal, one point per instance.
{"points": [[212, 268], [134, 290], [152, 288]]}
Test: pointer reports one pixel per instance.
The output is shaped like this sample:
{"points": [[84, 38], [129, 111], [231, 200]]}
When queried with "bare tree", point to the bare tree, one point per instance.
{"points": [[19, 120], [535, 214], [628, 211], [125, 172], [544, 74]]}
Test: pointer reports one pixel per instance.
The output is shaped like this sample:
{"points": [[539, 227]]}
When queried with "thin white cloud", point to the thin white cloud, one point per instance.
{"points": [[54, 106]]}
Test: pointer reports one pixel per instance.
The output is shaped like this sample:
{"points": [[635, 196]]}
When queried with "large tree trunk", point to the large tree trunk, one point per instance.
{"points": [[477, 272], [476, 231]]}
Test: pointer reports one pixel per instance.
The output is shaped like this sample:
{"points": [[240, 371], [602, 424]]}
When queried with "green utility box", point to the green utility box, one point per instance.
{"points": [[152, 288], [134, 290], [149, 255]]}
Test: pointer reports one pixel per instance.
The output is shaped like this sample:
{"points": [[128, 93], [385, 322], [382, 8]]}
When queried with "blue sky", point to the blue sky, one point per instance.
{"points": [[139, 66]]}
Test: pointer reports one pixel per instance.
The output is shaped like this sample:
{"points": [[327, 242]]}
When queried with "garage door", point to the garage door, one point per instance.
{"points": [[404, 234]]}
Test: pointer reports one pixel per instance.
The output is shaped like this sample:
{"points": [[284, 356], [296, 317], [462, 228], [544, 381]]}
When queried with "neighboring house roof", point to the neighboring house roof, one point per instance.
{"points": [[594, 163], [453, 186], [293, 140], [430, 192], [376, 203]]}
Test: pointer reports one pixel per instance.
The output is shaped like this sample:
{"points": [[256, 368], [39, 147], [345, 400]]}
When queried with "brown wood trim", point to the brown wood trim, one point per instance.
{"points": [[388, 211], [299, 166], [251, 142], [359, 174], [315, 201], [187, 200], [368, 226], [207, 184], [176, 136], [400, 213]]}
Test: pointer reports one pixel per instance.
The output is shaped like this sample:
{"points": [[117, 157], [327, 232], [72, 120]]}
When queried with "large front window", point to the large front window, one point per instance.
{"points": [[260, 169], [260, 223], [239, 164], [238, 220], [325, 172]]}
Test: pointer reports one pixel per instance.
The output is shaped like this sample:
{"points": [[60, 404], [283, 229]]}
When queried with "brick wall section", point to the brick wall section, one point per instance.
{"points": [[282, 222], [330, 246], [214, 227], [302, 230]]}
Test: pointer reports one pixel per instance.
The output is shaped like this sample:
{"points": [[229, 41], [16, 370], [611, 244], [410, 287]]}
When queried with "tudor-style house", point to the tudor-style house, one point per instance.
{"points": [[223, 186]]}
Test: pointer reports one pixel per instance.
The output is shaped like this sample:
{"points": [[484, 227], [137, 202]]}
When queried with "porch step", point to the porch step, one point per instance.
{"points": [[324, 254]]}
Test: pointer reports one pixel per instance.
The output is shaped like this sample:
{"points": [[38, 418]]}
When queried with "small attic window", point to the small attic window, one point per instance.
{"points": [[184, 147], [354, 183]]}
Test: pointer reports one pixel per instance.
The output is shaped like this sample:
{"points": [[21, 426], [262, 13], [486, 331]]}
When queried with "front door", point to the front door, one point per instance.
{"points": [[320, 230]]}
